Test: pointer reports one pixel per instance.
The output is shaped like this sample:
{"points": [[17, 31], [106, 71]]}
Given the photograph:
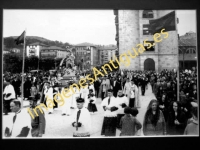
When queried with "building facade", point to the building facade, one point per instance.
{"points": [[107, 53], [53, 52], [86, 55], [188, 51], [133, 28], [34, 49]]}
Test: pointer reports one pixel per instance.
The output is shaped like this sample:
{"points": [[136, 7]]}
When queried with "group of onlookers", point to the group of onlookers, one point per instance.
{"points": [[120, 94]]}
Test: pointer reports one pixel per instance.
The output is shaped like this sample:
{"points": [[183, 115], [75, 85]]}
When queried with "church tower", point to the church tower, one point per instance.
{"points": [[133, 28]]}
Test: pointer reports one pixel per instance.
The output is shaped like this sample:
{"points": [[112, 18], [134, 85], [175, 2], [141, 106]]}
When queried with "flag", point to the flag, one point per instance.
{"points": [[20, 39], [166, 22]]}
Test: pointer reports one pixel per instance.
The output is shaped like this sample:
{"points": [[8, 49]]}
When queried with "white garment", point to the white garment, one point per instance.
{"points": [[9, 89], [127, 88], [92, 98], [84, 119], [121, 100], [113, 102], [23, 119], [132, 94], [68, 100], [84, 93], [74, 96], [49, 99], [92, 87]]}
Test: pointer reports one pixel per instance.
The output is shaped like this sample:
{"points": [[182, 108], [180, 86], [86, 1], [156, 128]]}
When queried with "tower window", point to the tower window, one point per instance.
{"points": [[147, 14], [146, 29], [152, 47]]}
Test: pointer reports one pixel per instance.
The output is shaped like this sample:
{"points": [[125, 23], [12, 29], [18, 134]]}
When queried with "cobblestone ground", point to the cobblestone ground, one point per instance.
{"points": [[58, 126]]}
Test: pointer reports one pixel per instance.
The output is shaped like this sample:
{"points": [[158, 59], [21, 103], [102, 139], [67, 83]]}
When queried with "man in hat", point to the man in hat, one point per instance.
{"points": [[82, 120], [38, 123]]}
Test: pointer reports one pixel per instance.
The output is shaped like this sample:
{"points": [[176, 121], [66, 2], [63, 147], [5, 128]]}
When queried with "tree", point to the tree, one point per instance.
{"points": [[12, 63]]}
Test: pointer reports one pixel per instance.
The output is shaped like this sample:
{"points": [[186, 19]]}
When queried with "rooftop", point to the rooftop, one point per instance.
{"points": [[108, 48], [85, 44], [189, 39], [53, 48]]}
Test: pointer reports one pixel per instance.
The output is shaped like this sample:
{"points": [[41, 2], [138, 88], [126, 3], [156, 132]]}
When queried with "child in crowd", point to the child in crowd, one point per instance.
{"points": [[91, 102], [129, 124]]}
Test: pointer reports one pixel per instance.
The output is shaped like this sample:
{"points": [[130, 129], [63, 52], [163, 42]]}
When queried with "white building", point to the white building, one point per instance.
{"points": [[34, 49]]}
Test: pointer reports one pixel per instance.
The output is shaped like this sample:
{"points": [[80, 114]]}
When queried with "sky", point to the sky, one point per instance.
{"points": [[187, 21], [76, 26]]}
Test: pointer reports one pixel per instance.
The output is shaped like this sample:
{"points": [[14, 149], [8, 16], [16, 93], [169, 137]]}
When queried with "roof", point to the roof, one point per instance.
{"points": [[53, 48], [189, 39], [38, 43], [108, 48], [85, 44]]}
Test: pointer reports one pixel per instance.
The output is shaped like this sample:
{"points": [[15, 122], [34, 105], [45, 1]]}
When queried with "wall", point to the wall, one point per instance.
{"points": [[129, 34]]}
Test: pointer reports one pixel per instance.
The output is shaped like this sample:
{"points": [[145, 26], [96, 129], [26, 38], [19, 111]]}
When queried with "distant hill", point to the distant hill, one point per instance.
{"points": [[32, 37], [9, 42]]}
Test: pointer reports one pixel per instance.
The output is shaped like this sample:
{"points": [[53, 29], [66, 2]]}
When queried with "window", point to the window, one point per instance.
{"points": [[152, 47], [190, 51], [147, 14], [146, 29]]}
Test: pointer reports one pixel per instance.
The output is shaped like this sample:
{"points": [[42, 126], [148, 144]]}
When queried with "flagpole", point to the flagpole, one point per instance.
{"points": [[177, 59], [24, 49]]}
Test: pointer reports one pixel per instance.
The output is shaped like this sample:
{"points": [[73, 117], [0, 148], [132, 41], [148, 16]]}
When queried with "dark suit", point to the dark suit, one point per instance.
{"points": [[117, 86], [97, 84], [16, 84], [38, 124], [143, 85]]}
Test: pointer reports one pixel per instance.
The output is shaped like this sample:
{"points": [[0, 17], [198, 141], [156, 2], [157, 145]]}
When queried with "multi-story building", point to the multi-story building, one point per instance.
{"points": [[188, 51], [133, 28], [86, 55], [34, 49], [53, 52], [107, 53]]}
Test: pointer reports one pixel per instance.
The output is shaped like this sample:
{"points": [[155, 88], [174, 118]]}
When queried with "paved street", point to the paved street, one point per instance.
{"points": [[60, 126]]}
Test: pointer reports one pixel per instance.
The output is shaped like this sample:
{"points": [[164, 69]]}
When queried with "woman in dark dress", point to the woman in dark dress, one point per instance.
{"points": [[176, 120], [154, 121], [164, 105]]}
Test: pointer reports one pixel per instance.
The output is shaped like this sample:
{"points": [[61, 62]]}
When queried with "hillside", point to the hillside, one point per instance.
{"points": [[9, 42]]}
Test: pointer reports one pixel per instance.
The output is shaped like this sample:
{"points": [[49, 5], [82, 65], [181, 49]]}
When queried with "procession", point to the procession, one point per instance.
{"points": [[115, 100], [103, 91]]}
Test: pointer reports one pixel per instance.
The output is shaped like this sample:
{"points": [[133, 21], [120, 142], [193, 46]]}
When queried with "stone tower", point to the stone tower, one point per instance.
{"points": [[132, 26]]}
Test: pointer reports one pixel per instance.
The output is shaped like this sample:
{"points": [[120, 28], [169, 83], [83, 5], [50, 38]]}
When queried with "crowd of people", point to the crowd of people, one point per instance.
{"points": [[120, 94]]}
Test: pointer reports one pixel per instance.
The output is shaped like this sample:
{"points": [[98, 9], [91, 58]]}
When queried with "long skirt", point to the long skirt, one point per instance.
{"points": [[132, 102], [92, 107], [109, 126]]}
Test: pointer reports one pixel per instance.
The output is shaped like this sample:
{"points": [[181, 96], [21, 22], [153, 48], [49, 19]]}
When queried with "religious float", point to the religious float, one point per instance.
{"points": [[67, 69]]}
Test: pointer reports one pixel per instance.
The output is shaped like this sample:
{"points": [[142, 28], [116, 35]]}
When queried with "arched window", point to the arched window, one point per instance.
{"points": [[147, 14], [190, 51]]}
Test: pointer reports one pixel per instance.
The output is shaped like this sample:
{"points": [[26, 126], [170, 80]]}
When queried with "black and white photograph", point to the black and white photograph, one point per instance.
{"points": [[99, 73]]}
